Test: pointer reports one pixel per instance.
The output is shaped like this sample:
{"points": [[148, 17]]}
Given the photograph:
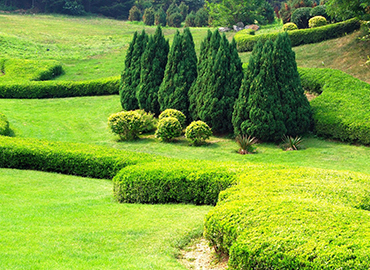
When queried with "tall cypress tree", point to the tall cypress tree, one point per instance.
{"points": [[241, 109], [130, 78], [153, 64], [295, 106], [208, 51], [220, 84], [181, 71]]}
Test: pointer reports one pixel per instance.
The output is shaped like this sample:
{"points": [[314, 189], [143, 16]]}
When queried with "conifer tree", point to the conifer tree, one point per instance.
{"points": [[214, 93], [206, 52], [153, 64], [295, 106], [131, 75], [181, 71], [160, 17]]}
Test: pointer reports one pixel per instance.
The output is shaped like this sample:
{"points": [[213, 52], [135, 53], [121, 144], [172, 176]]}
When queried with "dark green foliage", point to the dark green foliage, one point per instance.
{"points": [[4, 125], [174, 20], [320, 11], [295, 106], [299, 37], [190, 20], [219, 77], [174, 113], [148, 16], [172, 9], [181, 71], [153, 64], [266, 13], [168, 128], [67, 158], [184, 9], [160, 17], [265, 119], [132, 72], [197, 132], [301, 16], [201, 18], [172, 182], [59, 89], [292, 219], [342, 112], [134, 14]]}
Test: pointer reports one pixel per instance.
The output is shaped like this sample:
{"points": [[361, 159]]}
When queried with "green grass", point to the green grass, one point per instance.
{"points": [[53, 221], [84, 120]]}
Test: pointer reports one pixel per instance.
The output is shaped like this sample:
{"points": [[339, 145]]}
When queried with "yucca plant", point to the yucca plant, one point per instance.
{"points": [[246, 144], [291, 143]]}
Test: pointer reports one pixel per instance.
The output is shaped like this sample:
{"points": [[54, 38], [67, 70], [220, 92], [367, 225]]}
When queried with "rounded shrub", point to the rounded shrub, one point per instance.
{"points": [[190, 20], [148, 16], [4, 125], [127, 125], [174, 20], [197, 132], [174, 113], [134, 14], [301, 16], [168, 128], [149, 123], [290, 26], [317, 21]]}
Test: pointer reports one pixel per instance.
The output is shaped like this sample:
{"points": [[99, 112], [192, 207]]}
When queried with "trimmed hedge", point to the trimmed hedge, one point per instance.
{"points": [[67, 158], [342, 110], [172, 181], [294, 219], [4, 125], [60, 89], [299, 37]]}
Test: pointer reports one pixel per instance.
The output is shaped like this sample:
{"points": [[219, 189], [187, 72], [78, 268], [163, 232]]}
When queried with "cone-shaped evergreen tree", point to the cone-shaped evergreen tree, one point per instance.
{"points": [[153, 64], [181, 71], [295, 106], [220, 84], [241, 109], [208, 51], [131, 75], [265, 118]]}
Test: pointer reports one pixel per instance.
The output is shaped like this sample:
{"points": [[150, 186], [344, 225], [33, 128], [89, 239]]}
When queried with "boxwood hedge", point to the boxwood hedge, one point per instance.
{"points": [[342, 110], [67, 158], [294, 219], [4, 125], [299, 37], [173, 181]]}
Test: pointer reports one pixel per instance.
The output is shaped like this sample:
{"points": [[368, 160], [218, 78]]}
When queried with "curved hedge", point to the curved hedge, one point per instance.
{"points": [[67, 158], [59, 89], [342, 110], [175, 181], [299, 37], [4, 125], [294, 219]]}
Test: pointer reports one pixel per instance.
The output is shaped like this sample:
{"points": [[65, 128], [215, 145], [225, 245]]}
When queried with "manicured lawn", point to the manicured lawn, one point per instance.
{"points": [[53, 221]]}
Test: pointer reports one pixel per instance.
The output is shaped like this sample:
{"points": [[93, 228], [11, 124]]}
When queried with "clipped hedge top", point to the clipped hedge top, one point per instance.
{"points": [[342, 110], [294, 218]]}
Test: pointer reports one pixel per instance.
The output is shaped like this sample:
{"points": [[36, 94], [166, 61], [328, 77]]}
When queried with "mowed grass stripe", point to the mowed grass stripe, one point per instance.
{"points": [[53, 221]]}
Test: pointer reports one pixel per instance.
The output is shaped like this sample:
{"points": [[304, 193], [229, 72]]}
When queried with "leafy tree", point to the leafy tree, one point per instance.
{"points": [[219, 86], [295, 106], [301, 16], [348, 8], [181, 71], [201, 18], [184, 9], [190, 19], [174, 20], [130, 78], [160, 17], [173, 8], [134, 14], [153, 64], [148, 16]]}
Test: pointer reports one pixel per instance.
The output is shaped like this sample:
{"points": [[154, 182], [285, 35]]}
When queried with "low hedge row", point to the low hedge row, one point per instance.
{"points": [[67, 158], [4, 125], [294, 219], [173, 181], [60, 89], [299, 37], [342, 110]]}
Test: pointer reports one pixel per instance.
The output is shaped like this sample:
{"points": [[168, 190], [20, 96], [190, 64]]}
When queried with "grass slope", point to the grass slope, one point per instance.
{"points": [[53, 221]]}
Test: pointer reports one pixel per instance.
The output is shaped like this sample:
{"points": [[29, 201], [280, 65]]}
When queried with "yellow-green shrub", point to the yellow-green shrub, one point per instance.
{"points": [[127, 125], [174, 113], [197, 132], [290, 26], [168, 128], [317, 21]]}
